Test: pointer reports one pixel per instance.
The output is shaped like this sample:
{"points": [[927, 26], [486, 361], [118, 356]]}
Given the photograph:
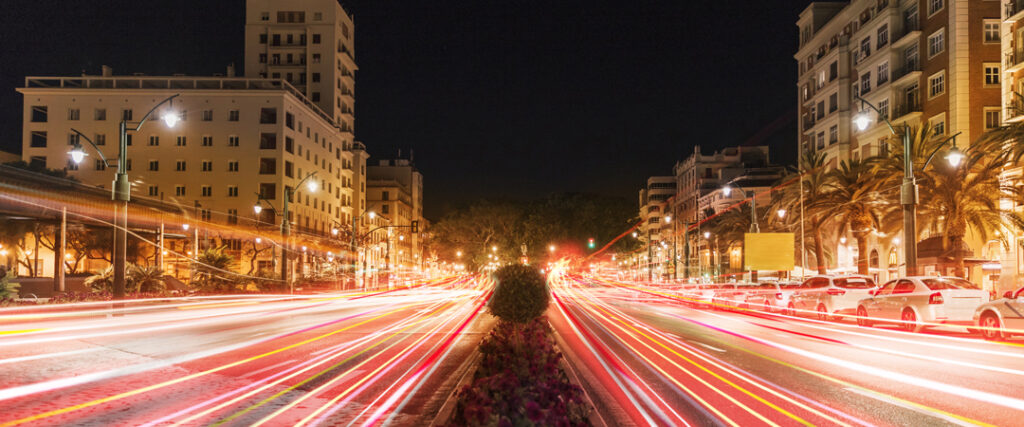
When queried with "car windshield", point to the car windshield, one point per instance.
{"points": [[949, 283], [854, 283]]}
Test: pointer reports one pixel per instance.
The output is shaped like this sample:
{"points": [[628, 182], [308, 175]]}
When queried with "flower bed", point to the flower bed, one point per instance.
{"points": [[519, 382]]}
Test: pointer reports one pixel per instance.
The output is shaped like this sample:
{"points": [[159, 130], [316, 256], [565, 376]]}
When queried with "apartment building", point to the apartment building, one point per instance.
{"points": [[934, 61], [655, 200], [395, 192]]}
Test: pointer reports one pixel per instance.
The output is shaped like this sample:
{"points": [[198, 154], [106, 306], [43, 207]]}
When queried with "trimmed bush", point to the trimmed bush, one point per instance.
{"points": [[520, 295]]}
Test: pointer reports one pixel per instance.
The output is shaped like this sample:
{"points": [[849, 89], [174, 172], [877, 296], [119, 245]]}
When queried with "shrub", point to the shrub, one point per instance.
{"points": [[213, 272], [520, 295], [8, 289], [146, 279]]}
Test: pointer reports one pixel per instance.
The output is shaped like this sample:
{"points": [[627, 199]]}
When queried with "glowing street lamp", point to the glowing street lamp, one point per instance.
{"points": [[551, 248], [257, 208], [781, 213]]}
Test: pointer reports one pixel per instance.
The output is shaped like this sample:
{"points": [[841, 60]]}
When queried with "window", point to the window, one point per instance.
{"points": [[316, 39], [154, 141], [207, 166], [71, 166], [316, 58], [264, 16], [128, 165], [100, 114], [154, 165], [233, 166], [882, 38], [821, 110], [207, 215], [865, 83], [938, 123], [384, 210], [991, 30], [232, 191], [883, 73], [833, 70], [316, 77], [865, 48], [207, 191], [37, 161], [833, 134], [179, 190], [182, 141], [288, 169], [207, 141], [183, 115], [268, 166], [316, 97], [268, 191], [39, 114], [268, 116], [233, 219], [100, 139], [384, 195], [289, 145], [992, 119], [934, 6], [73, 139], [268, 141], [991, 73], [263, 58], [911, 58], [38, 139], [936, 43], [126, 114], [291, 17], [73, 113], [233, 115], [883, 106], [937, 84], [233, 141], [179, 166], [263, 38], [289, 120], [154, 191], [318, 16], [821, 137]]}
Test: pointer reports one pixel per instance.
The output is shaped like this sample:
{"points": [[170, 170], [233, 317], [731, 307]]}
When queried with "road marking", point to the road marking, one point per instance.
{"points": [[908, 405], [712, 348], [22, 331], [260, 371]]}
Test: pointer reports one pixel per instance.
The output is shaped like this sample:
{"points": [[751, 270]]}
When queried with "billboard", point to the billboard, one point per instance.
{"points": [[768, 251]]}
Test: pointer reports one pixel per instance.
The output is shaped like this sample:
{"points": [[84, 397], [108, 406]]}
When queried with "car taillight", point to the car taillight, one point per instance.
{"points": [[836, 292], [778, 295], [935, 298]]}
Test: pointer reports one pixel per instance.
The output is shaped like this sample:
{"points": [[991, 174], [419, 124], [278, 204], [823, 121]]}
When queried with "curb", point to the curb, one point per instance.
{"points": [[466, 371], [596, 418]]}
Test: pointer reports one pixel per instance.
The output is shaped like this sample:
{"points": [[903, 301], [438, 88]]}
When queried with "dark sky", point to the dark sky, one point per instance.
{"points": [[497, 98]]}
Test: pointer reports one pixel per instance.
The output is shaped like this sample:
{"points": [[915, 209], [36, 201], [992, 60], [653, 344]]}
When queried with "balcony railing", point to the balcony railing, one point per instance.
{"points": [[906, 69], [1013, 7], [1012, 59], [906, 108]]}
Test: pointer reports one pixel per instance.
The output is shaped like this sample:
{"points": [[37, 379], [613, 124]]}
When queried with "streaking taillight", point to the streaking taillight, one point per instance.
{"points": [[935, 298], [778, 295], [836, 291]]}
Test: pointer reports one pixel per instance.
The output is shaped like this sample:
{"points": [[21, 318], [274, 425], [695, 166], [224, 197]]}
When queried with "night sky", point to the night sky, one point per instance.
{"points": [[499, 99]]}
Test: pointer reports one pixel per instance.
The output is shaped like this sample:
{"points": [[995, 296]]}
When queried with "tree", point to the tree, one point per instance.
{"points": [[852, 202], [146, 278], [815, 187], [213, 271]]}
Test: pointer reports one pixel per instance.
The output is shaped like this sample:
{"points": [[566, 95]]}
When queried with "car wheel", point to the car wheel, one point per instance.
{"points": [[910, 323], [862, 317], [822, 312], [791, 310], [991, 329]]}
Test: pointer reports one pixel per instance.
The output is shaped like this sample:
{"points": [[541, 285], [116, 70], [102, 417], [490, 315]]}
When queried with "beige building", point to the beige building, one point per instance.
{"points": [[933, 61], [240, 139], [395, 192], [655, 200]]}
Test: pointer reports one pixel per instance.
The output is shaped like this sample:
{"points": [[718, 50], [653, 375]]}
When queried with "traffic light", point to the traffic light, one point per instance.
{"points": [[590, 243], [415, 226]]}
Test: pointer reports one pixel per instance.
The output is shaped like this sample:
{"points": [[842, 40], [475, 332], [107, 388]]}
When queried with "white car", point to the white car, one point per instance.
{"points": [[731, 295], [922, 301], [1001, 318], [830, 296], [772, 296]]}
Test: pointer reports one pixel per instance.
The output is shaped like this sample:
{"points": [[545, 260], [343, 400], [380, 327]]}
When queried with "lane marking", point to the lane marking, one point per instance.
{"points": [[907, 405]]}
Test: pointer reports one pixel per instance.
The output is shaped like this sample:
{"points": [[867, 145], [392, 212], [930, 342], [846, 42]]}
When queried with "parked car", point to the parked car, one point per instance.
{"points": [[731, 295], [922, 301], [771, 296], [1001, 318], [830, 296]]}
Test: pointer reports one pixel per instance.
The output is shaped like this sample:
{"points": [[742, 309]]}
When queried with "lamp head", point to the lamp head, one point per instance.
{"points": [[707, 234], [781, 213], [185, 227], [726, 190], [257, 208], [311, 185], [862, 120], [954, 157], [170, 118], [77, 154], [334, 231], [372, 214], [668, 219]]}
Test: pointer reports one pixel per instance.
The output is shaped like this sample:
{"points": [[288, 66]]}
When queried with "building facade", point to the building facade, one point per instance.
{"points": [[395, 192]]}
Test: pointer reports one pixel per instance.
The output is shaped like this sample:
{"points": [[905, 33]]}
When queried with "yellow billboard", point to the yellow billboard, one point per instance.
{"points": [[768, 251]]}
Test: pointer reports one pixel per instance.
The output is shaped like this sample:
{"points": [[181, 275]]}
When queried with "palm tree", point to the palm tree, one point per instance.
{"points": [[102, 282], [730, 226], [815, 186], [213, 271], [147, 278], [967, 198], [1009, 137], [852, 202]]}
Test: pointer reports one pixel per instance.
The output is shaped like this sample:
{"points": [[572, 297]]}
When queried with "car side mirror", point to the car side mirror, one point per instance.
{"points": [[1008, 295]]}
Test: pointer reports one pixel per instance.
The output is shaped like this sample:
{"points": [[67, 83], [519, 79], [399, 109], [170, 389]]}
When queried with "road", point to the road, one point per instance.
{"points": [[335, 359], [649, 359]]}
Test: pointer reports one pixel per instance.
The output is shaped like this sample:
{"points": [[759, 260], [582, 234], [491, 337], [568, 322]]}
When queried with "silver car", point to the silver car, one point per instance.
{"points": [[829, 297], [771, 296], [922, 301], [1001, 318]]}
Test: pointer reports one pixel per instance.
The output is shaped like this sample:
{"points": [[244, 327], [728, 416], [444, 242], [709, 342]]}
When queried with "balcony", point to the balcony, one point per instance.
{"points": [[1015, 110], [910, 34], [1014, 11], [906, 109], [1013, 62], [907, 74]]}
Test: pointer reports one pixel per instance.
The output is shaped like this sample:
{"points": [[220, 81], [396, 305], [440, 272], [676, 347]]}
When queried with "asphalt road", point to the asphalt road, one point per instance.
{"points": [[648, 358], [334, 359]]}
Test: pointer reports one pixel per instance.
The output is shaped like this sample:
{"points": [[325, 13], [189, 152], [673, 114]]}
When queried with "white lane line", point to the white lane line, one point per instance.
{"points": [[904, 405], [260, 371], [47, 355], [712, 348]]}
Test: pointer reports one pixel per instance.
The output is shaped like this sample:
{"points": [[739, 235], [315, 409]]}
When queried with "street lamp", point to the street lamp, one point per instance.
{"points": [[781, 213], [908, 190], [726, 190], [551, 248], [286, 225], [121, 190]]}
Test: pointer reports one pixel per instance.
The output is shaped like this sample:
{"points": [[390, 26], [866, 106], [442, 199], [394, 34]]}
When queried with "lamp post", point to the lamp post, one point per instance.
{"points": [[672, 254], [121, 188], [285, 223], [754, 228], [908, 190]]}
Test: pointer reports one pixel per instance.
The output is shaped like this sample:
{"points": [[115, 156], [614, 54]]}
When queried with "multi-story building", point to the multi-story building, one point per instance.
{"points": [[655, 200], [240, 139], [395, 192]]}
